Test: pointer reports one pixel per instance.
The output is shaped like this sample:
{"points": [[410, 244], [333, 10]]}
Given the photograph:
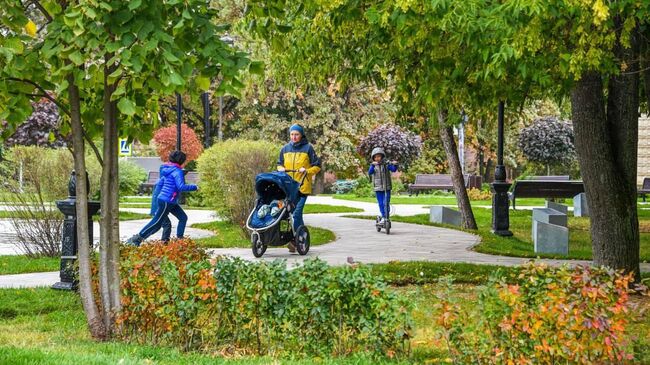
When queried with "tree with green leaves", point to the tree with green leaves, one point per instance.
{"points": [[436, 72], [442, 55], [107, 64]]}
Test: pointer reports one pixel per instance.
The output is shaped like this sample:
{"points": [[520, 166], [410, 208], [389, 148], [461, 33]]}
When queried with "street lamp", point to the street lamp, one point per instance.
{"points": [[500, 202], [179, 120]]}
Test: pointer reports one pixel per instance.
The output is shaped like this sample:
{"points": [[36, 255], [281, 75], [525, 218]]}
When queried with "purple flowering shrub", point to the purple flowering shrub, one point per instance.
{"points": [[399, 144], [548, 141], [40, 129]]}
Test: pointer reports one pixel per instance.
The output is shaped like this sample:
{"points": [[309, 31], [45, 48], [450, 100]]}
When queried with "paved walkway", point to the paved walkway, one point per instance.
{"points": [[355, 238], [127, 228]]}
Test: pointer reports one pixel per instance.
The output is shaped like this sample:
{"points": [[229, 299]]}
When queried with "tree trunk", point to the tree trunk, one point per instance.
{"points": [[319, 181], [447, 136], [95, 324], [645, 66], [109, 228], [606, 144]]}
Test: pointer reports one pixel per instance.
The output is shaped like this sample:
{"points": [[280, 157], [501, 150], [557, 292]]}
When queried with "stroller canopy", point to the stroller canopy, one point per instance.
{"points": [[276, 186]]}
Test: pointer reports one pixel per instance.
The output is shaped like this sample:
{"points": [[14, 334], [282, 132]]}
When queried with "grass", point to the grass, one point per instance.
{"points": [[228, 235], [323, 208], [520, 244], [21, 264], [48, 327]]}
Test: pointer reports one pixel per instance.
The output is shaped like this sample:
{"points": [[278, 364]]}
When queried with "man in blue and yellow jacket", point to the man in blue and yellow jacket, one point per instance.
{"points": [[299, 156]]}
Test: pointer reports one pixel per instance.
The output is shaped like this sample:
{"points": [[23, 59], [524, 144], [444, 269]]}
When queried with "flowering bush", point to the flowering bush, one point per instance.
{"points": [[40, 129], [165, 140], [543, 315], [548, 141], [478, 194], [399, 144], [173, 294]]}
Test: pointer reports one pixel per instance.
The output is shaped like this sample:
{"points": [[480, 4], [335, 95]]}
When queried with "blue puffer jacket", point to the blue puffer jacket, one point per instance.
{"points": [[171, 183]]}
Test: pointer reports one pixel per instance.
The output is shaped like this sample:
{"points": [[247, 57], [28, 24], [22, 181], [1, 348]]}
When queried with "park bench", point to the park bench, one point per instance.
{"points": [[440, 182], [147, 186], [191, 177], [546, 187], [645, 188]]}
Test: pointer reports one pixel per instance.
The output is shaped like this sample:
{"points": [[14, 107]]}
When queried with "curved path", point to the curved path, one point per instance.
{"points": [[358, 239]]}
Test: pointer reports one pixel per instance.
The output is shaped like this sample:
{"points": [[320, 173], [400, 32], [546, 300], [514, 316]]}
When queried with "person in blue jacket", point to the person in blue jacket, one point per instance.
{"points": [[165, 222], [170, 185], [381, 181]]}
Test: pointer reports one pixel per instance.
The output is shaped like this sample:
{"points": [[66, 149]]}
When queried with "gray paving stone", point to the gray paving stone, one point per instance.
{"points": [[551, 216], [444, 215], [557, 206], [550, 238], [580, 206]]}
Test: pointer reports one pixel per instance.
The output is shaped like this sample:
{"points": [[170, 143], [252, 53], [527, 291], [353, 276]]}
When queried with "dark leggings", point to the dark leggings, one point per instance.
{"points": [[161, 218]]}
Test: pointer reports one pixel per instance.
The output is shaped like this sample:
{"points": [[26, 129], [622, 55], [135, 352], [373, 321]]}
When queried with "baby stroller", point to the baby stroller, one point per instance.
{"points": [[276, 229]]}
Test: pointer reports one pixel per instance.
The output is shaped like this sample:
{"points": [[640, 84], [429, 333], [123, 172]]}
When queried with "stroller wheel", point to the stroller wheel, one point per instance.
{"points": [[258, 247], [302, 240]]}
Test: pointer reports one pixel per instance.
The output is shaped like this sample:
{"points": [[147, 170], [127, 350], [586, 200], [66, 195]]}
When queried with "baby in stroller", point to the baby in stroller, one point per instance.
{"points": [[271, 221]]}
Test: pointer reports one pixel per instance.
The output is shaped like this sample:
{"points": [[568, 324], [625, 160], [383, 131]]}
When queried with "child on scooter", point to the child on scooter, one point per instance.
{"points": [[380, 175]]}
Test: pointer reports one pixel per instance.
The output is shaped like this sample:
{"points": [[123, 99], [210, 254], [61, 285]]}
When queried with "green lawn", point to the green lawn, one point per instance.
{"points": [[230, 235], [521, 245], [21, 264], [323, 208], [47, 327], [434, 199]]}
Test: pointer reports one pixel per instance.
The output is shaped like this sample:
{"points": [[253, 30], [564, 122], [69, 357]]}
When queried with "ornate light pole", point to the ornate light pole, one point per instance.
{"points": [[70, 243], [179, 120], [500, 202]]}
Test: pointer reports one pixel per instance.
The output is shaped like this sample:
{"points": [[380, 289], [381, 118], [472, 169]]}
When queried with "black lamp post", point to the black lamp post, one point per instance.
{"points": [[70, 244], [500, 202], [179, 120], [205, 99]]}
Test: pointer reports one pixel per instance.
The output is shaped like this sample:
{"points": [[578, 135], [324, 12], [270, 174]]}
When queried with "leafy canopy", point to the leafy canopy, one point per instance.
{"points": [[137, 51]]}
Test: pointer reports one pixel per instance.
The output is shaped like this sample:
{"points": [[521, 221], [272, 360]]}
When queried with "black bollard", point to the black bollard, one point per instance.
{"points": [[69, 242], [500, 201]]}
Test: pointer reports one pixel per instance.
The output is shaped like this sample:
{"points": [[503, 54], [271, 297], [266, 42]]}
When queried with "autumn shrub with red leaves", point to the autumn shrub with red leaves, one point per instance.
{"points": [[165, 140], [543, 315], [165, 289]]}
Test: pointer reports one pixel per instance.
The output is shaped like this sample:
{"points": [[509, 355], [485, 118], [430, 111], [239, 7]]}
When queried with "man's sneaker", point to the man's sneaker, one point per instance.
{"points": [[382, 220], [291, 246]]}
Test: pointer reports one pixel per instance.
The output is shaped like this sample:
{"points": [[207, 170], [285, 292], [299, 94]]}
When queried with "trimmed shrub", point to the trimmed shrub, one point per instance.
{"points": [[168, 290], [172, 296], [476, 194], [363, 188], [543, 315], [399, 144], [548, 141], [48, 170], [165, 140], [228, 171], [131, 176]]}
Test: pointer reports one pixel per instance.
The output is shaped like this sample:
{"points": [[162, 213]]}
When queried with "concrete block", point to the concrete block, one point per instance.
{"points": [[444, 215], [550, 216], [557, 206], [550, 238], [580, 206]]}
